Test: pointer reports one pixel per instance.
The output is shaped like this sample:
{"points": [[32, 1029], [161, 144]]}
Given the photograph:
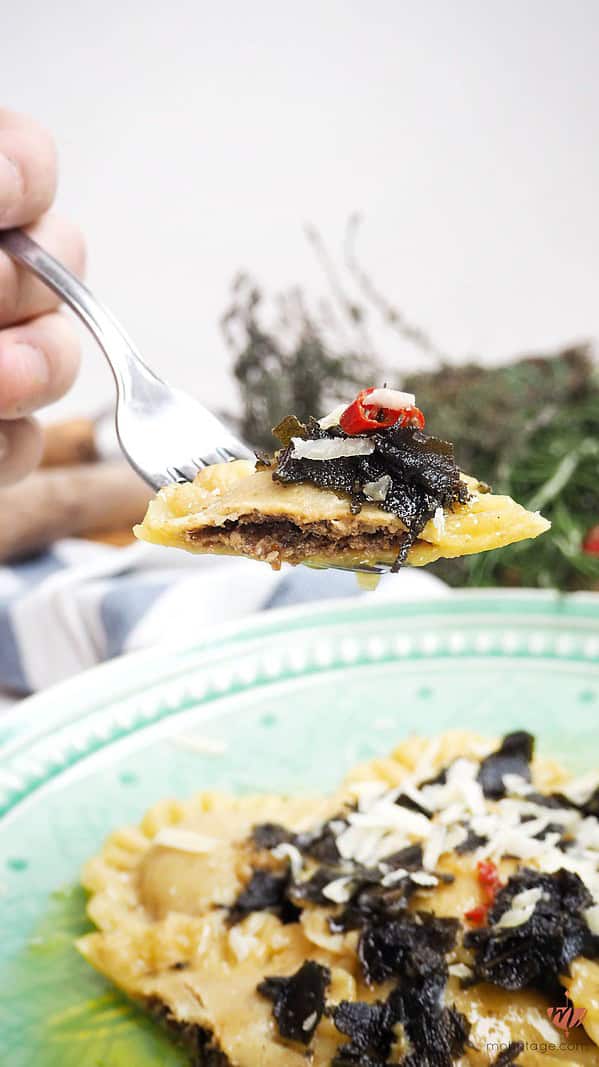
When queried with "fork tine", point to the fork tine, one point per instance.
{"points": [[225, 454], [186, 472]]}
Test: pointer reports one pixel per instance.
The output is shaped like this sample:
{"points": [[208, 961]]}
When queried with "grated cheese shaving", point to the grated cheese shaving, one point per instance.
{"points": [[424, 879], [592, 917], [394, 399], [439, 521], [378, 490], [331, 448], [185, 840], [394, 876], [523, 906], [332, 419], [287, 851], [339, 891], [581, 789]]}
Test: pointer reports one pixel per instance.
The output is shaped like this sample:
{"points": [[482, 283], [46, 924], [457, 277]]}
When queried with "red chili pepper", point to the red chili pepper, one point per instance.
{"points": [[490, 883], [361, 416], [590, 545], [412, 417], [488, 877], [477, 916]]}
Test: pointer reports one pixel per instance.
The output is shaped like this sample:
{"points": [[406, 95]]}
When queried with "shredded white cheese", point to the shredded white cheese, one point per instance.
{"points": [[394, 876], [522, 908], [378, 490], [435, 847], [288, 851], [385, 816], [424, 879], [185, 840], [331, 448], [517, 786], [338, 891], [309, 1021], [588, 833], [439, 521], [461, 789], [366, 792], [332, 419], [410, 790], [582, 789], [460, 970], [592, 917], [394, 399]]}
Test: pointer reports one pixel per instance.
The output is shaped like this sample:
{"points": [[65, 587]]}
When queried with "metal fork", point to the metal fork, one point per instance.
{"points": [[166, 435]]}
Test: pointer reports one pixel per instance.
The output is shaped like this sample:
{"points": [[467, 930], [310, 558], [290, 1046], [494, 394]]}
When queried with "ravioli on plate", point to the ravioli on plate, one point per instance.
{"points": [[441, 908]]}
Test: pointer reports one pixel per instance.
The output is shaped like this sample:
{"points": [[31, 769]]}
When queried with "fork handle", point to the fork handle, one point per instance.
{"points": [[125, 362]]}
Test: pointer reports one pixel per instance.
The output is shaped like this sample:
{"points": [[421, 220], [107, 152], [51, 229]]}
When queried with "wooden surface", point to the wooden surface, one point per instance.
{"points": [[86, 500]]}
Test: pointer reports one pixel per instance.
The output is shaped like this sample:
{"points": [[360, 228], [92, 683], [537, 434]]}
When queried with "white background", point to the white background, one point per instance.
{"points": [[197, 138]]}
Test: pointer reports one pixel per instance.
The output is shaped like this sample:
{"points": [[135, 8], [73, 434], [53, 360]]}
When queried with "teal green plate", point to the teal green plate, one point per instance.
{"points": [[284, 701]]}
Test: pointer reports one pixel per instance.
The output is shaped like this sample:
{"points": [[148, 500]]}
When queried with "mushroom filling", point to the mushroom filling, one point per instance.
{"points": [[283, 541]]}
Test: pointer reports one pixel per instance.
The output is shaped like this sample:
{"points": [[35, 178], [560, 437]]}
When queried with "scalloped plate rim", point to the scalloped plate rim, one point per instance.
{"points": [[29, 707]]}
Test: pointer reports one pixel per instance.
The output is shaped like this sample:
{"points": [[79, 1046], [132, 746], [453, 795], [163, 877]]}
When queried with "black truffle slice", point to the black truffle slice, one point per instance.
{"points": [[509, 1055], [405, 801], [437, 1035], [471, 842], [198, 1042], [369, 1027], [535, 953], [270, 834], [558, 800], [320, 844], [310, 890], [411, 1027], [422, 469], [591, 806], [512, 757], [413, 945], [298, 1001], [265, 891], [371, 901], [410, 858]]}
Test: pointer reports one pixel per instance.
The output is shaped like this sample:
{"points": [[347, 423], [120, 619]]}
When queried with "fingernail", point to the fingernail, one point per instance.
{"points": [[11, 185], [3, 446]]}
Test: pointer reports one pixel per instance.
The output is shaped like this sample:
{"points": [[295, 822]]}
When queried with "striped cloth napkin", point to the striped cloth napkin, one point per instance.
{"points": [[81, 603]]}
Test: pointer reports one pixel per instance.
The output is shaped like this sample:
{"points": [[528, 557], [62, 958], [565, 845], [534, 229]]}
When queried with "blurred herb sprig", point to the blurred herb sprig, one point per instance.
{"points": [[529, 428]]}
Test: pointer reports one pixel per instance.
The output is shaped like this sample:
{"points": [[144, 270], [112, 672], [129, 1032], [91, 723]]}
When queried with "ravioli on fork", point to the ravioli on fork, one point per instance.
{"points": [[362, 487]]}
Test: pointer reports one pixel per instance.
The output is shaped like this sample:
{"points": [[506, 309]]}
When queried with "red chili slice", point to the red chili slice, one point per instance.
{"points": [[412, 417], [477, 916], [361, 416], [490, 883]]}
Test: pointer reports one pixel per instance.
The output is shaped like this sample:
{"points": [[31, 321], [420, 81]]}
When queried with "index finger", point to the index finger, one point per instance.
{"points": [[27, 170]]}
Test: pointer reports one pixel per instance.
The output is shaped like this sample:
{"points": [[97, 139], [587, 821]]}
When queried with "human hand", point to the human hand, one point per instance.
{"points": [[39, 347]]}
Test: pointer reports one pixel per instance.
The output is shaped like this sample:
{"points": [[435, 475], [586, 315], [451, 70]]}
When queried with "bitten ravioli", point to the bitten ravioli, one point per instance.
{"points": [[232, 509], [358, 928]]}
